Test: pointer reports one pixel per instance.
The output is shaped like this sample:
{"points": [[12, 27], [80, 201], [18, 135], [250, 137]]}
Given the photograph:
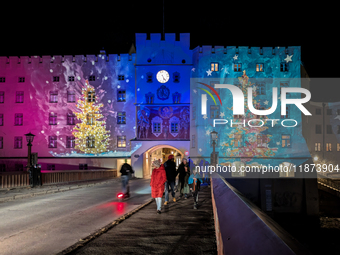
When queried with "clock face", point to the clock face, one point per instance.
{"points": [[162, 76]]}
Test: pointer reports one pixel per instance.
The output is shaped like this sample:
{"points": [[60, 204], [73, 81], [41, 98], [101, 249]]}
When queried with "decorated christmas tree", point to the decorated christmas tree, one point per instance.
{"points": [[253, 139], [90, 134]]}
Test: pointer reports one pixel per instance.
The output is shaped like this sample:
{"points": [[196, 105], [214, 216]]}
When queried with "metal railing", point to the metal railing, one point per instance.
{"points": [[21, 179]]}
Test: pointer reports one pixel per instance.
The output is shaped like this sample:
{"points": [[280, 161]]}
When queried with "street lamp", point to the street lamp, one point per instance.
{"points": [[29, 139], [213, 138]]}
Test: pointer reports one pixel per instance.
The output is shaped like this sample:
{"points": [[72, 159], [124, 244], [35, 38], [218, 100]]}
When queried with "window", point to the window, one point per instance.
{"points": [[193, 141], [18, 119], [237, 141], [287, 113], [328, 147], [18, 142], [317, 146], [71, 118], [92, 78], [286, 141], [90, 142], [338, 129], [121, 141], [283, 67], [329, 111], [19, 98], [284, 84], [156, 127], [286, 170], [237, 67], [318, 129], [120, 77], [149, 77], [214, 111], [149, 98], [70, 141], [19, 167], [2, 79], [2, 97], [318, 111], [121, 118], [82, 166], [1, 142], [90, 119], [194, 112], [261, 141], [71, 96], [261, 88], [21, 79], [329, 129], [338, 147], [53, 118], [237, 166], [2, 168], [71, 78], [174, 127], [53, 96], [1, 119], [50, 167], [176, 77], [55, 78], [52, 142], [91, 96], [121, 96], [259, 67], [176, 98], [214, 67]]}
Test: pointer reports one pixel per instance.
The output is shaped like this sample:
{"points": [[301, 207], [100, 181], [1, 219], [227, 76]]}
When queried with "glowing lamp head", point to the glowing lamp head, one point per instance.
{"points": [[315, 158]]}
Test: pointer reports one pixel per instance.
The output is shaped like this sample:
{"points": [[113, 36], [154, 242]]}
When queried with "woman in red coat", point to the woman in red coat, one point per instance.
{"points": [[158, 179]]}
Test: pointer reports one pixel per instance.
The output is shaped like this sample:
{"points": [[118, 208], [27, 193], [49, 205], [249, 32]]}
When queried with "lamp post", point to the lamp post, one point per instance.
{"points": [[213, 137], [29, 139]]}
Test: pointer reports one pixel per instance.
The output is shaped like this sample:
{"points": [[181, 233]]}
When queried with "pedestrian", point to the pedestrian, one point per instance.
{"points": [[183, 176], [195, 181], [171, 173], [126, 172], [157, 183]]}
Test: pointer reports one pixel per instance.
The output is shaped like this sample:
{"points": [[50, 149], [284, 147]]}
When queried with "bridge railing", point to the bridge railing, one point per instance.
{"points": [[242, 228], [20, 179]]}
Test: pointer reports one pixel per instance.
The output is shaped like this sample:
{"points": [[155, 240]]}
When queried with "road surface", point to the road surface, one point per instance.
{"points": [[48, 224]]}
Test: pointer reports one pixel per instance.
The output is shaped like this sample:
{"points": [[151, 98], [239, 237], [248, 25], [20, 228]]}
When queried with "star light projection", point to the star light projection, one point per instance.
{"points": [[90, 134]]}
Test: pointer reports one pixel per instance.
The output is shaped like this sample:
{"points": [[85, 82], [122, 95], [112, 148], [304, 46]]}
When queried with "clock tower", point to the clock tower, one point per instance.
{"points": [[162, 98]]}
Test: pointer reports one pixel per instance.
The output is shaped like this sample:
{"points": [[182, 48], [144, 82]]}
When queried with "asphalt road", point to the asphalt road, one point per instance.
{"points": [[48, 224]]}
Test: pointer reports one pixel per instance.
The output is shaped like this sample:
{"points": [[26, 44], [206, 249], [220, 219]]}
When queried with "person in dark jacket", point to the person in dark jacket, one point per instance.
{"points": [[171, 173], [126, 172], [183, 176]]}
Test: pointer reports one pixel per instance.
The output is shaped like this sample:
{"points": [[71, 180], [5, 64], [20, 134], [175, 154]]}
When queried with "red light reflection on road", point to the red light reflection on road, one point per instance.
{"points": [[117, 208]]}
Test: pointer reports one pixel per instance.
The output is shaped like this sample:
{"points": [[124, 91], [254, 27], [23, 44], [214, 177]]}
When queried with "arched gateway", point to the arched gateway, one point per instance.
{"points": [[141, 161]]}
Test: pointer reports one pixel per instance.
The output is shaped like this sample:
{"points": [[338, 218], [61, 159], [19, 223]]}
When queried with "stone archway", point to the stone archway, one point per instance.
{"points": [[158, 152]]}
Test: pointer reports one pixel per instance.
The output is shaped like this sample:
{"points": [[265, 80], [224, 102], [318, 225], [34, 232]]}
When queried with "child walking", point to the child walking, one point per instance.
{"points": [[195, 181]]}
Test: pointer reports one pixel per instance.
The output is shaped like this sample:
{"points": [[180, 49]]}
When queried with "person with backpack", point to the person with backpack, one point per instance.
{"points": [[183, 176], [126, 173], [195, 181]]}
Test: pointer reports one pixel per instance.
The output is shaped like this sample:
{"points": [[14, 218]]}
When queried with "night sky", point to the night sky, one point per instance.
{"points": [[72, 29]]}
